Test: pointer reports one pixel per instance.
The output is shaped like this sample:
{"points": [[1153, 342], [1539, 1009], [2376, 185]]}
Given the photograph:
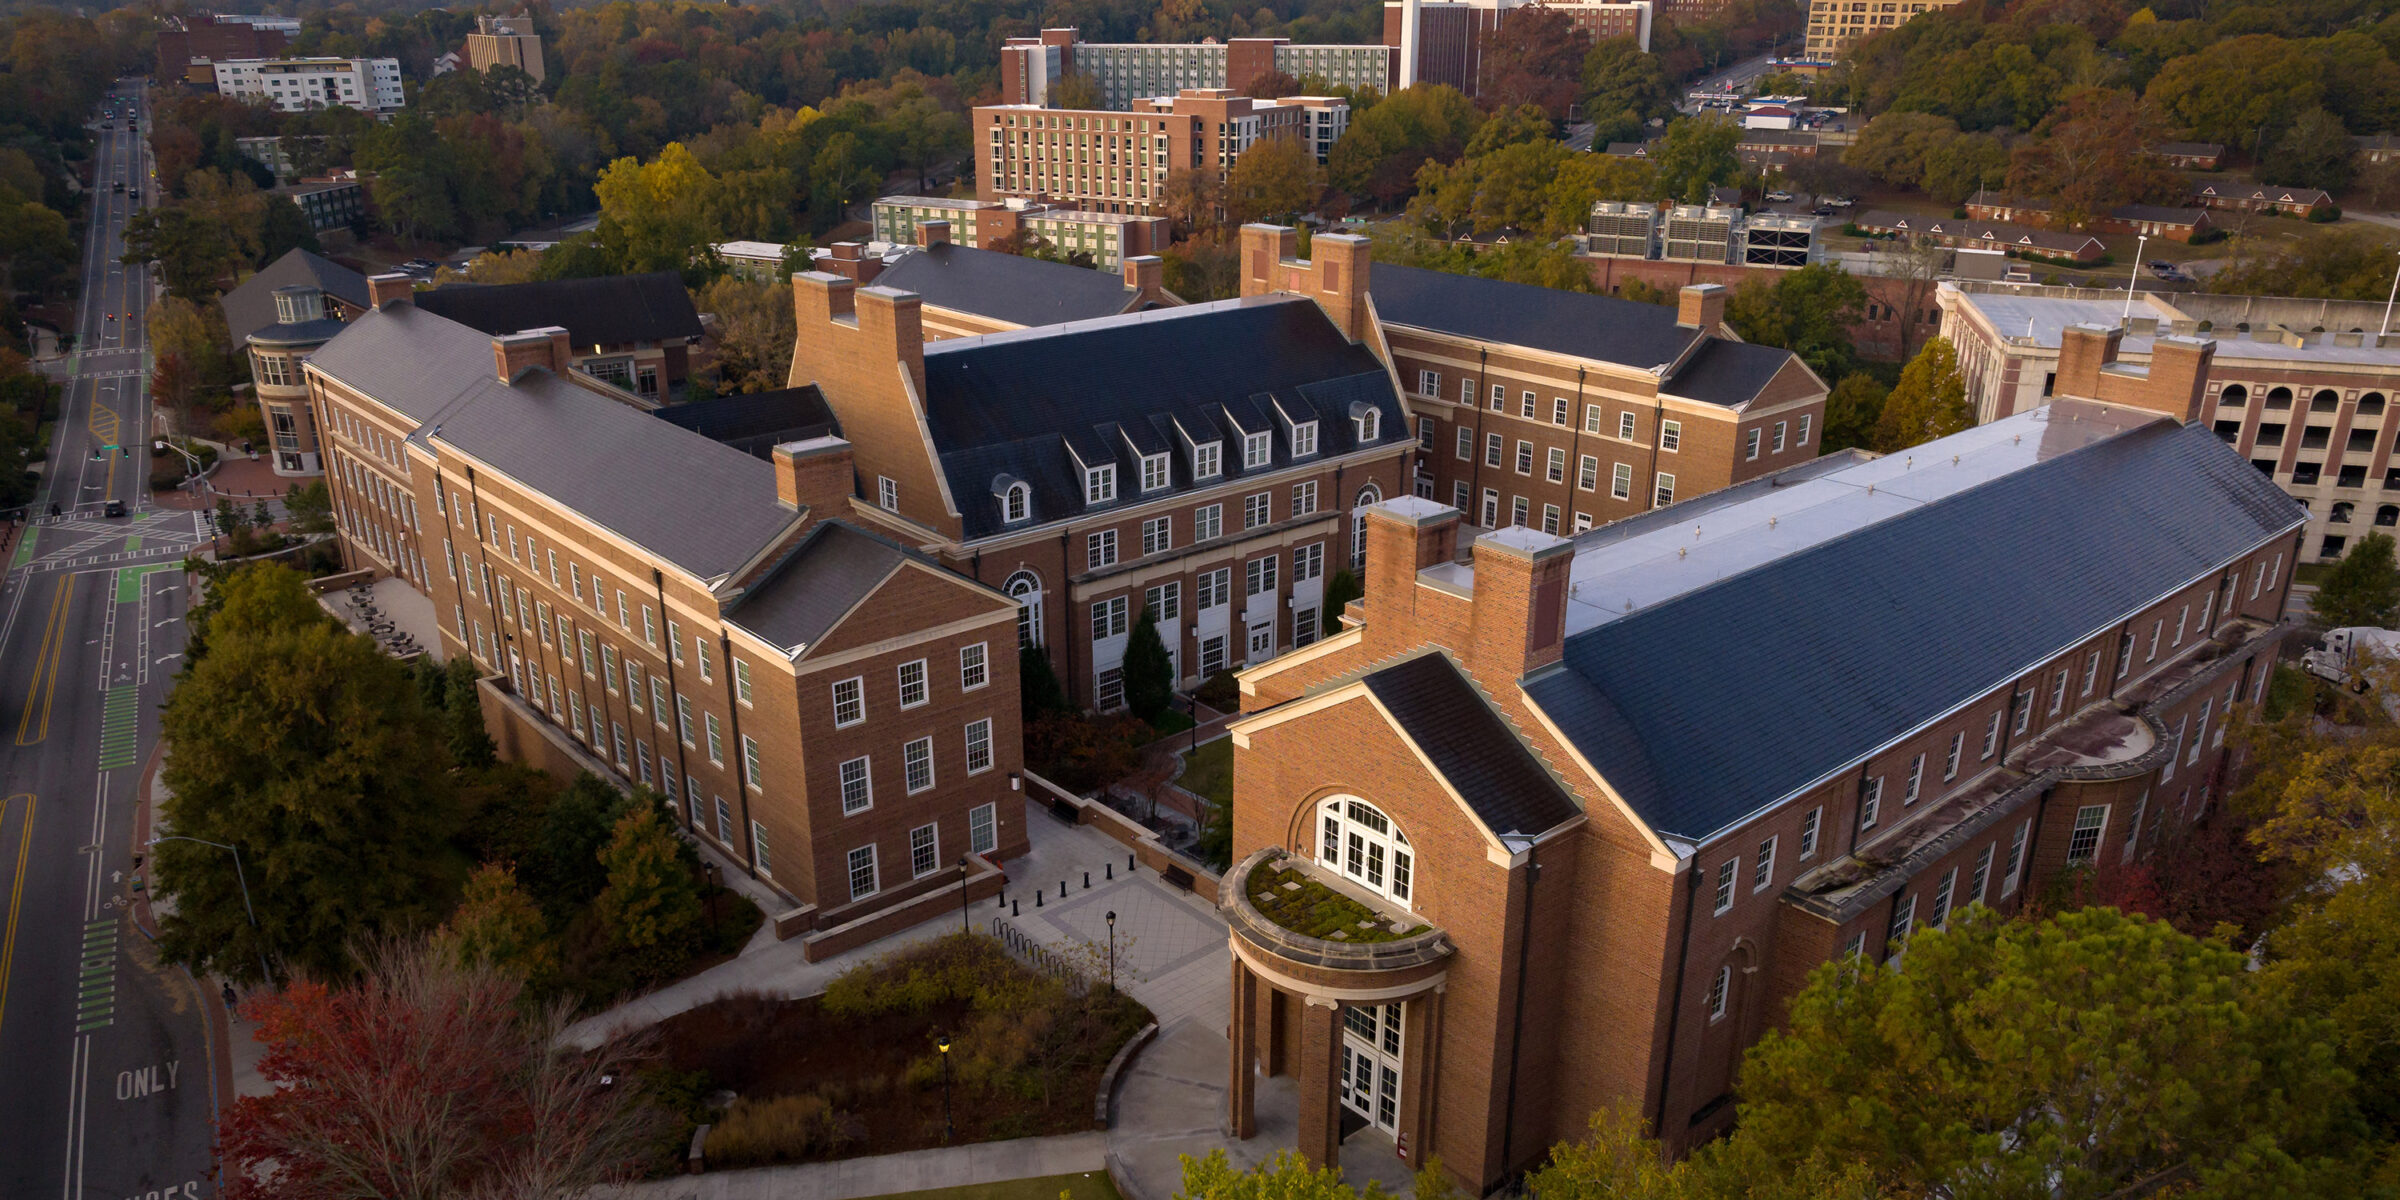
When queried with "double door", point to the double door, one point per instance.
{"points": [[1371, 1057]]}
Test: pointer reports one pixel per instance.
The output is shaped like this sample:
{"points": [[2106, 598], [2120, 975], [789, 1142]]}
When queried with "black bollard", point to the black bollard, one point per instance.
{"points": [[1129, 864], [1000, 901], [1112, 870], [1012, 908], [1087, 880], [1062, 889], [1037, 899]]}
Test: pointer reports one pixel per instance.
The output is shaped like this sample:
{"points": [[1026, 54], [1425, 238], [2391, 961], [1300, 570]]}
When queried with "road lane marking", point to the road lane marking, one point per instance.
{"points": [[120, 727], [45, 667], [16, 891], [96, 999]]}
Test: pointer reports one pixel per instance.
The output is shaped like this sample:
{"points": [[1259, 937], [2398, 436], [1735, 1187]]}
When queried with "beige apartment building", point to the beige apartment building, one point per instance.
{"points": [[506, 42], [1117, 162], [1835, 25], [832, 710]]}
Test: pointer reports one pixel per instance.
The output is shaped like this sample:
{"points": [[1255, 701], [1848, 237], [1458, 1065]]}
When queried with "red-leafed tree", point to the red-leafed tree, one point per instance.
{"points": [[426, 1080], [1533, 56]]}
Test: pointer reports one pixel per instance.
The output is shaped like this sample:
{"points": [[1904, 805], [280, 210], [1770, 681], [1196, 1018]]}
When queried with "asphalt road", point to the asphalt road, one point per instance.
{"points": [[105, 1086]]}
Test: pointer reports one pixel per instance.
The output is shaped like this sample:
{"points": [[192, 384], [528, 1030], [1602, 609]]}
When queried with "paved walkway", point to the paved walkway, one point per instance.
{"points": [[892, 1174]]}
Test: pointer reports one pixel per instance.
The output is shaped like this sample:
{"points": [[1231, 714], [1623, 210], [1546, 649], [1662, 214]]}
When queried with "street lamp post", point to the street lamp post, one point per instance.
{"points": [[708, 872], [963, 925], [2134, 276], [942, 1044], [1112, 950], [265, 974]]}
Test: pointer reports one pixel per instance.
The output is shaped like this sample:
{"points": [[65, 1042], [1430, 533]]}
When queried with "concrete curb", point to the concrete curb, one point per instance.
{"points": [[1116, 1069]]}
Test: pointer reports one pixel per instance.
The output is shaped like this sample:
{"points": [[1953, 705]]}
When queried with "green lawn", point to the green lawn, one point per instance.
{"points": [[1209, 771], [1094, 1186]]}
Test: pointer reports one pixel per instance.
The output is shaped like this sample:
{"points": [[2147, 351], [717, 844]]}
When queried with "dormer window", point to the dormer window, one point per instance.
{"points": [[1254, 450], [1016, 503], [1304, 438], [1099, 484], [1154, 472], [1370, 423], [1207, 460]]}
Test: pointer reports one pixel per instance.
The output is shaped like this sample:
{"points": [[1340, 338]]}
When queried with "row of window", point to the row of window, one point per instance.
{"points": [[910, 685], [1560, 411], [1212, 588], [1208, 524], [1205, 460], [1520, 509], [864, 874]]}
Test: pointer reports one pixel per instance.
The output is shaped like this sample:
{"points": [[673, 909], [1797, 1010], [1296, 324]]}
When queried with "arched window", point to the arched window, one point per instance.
{"points": [[1025, 588], [2244, 327], [2341, 512], [1370, 425], [1368, 497], [1356, 839], [2388, 515], [2234, 396], [2326, 400], [1016, 504], [2280, 398], [2371, 404]]}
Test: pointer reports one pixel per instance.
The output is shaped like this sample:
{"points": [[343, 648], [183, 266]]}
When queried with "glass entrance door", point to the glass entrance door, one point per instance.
{"points": [[1371, 1064]]}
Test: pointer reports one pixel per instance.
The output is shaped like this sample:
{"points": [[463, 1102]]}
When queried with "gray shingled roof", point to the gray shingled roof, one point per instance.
{"points": [[832, 569], [1726, 372], [1007, 287], [604, 310], [251, 307], [1471, 746], [1603, 328], [1010, 404], [1818, 657], [756, 422], [705, 507]]}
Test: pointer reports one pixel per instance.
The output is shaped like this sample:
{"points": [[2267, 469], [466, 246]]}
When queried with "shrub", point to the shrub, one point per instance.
{"points": [[2326, 215], [1222, 692], [776, 1129]]}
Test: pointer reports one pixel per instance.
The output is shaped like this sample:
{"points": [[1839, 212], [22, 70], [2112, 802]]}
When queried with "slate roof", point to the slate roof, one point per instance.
{"points": [[704, 507], [1024, 405], [1603, 328], [1472, 747], [1860, 638], [756, 422], [251, 307], [1578, 323], [2159, 212], [1007, 287], [604, 310], [2050, 241], [833, 568]]}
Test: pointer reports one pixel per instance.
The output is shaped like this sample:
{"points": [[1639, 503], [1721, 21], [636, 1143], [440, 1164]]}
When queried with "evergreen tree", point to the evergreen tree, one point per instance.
{"points": [[1038, 690], [497, 924], [1344, 587], [651, 905], [2362, 589], [1149, 672], [1852, 410], [470, 745], [1929, 402], [574, 829]]}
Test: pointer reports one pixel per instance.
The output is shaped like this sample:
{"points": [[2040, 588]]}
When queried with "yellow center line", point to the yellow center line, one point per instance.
{"points": [[16, 892], [44, 686]]}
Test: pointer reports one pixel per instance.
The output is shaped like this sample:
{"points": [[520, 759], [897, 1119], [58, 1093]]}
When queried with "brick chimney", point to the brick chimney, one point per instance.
{"points": [[1147, 274], [851, 261], [1701, 306], [818, 475], [392, 287], [515, 353], [2082, 351], [933, 233], [1520, 621], [1264, 247], [892, 322], [1405, 535], [819, 297], [1338, 264], [2173, 383]]}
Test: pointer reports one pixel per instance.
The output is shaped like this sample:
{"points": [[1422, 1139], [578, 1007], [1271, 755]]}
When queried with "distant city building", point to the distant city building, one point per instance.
{"points": [[1109, 238], [505, 42], [758, 262], [1441, 41], [329, 203], [302, 84], [1129, 72], [2302, 389], [1118, 163], [1835, 25], [189, 46]]}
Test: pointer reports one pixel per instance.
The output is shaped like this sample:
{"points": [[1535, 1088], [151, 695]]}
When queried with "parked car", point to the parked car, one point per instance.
{"points": [[1779, 196], [1820, 211], [1842, 201]]}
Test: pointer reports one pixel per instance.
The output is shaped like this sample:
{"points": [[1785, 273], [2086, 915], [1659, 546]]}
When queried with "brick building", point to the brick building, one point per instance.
{"points": [[1118, 162], [1441, 41], [1836, 25], [1129, 72], [189, 46], [834, 711], [2022, 241], [2151, 220], [1515, 755], [2242, 197], [2298, 387], [1110, 238], [280, 316], [1201, 461]]}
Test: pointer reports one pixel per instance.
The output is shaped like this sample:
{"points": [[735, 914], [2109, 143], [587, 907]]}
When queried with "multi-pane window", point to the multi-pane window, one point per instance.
{"points": [[1215, 588], [658, 699], [1991, 737], [849, 702], [1916, 781], [2022, 704], [1809, 825], [741, 679], [1870, 803], [1099, 484], [1108, 618], [1802, 438], [1524, 457], [1750, 446], [1982, 877], [1154, 472], [1670, 435], [1940, 914], [1466, 443], [916, 761], [758, 850], [1206, 460], [1625, 425], [1665, 490], [1257, 510], [1558, 464], [1904, 917], [1255, 451], [1308, 562], [1499, 397], [1558, 410], [1494, 446], [2133, 827], [750, 763], [979, 745], [1304, 498], [924, 853], [716, 739], [1525, 402], [862, 872], [983, 835], [1778, 442], [1259, 575], [972, 673], [1762, 869], [1100, 549], [1304, 438], [1958, 745], [2016, 858], [1724, 896], [700, 656], [1157, 535], [2091, 821], [858, 786], [1164, 601], [1620, 483], [912, 683], [1718, 989]]}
